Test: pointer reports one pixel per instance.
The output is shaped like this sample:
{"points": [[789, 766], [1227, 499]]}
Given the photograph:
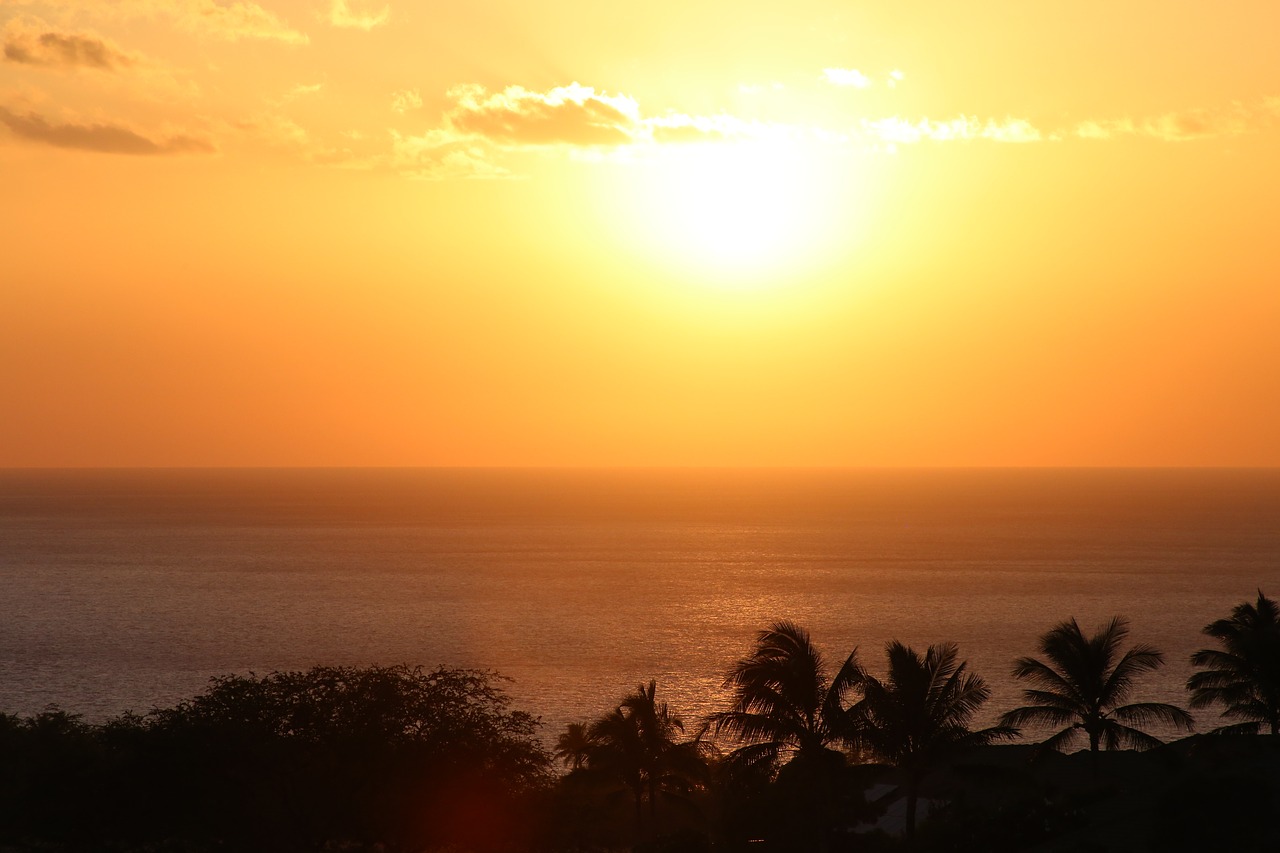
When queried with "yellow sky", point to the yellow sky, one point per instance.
{"points": [[309, 232]]}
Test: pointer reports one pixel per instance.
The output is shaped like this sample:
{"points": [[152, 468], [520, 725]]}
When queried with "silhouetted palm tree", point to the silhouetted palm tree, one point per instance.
{"points": [[573, 747], [784, 702], [919, 715], [1244, 676], [637, 744], [1083, 684]]}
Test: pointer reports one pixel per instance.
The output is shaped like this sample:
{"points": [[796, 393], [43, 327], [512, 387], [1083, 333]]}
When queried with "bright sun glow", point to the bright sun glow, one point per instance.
{"points": [[738, 212]]}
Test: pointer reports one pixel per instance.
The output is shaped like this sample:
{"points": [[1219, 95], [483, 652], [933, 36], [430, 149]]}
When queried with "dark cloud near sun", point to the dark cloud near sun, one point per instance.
{"points": [[100, 137], [37, 45], [568, 115]]}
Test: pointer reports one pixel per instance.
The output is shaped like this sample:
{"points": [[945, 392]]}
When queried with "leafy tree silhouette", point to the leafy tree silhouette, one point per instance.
{"points": [[1244, 675], [403, 756], [1083, 685], [345, 757]]}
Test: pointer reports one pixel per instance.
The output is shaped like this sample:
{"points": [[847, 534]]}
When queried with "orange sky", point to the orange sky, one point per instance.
{"points": [[309, 232]]}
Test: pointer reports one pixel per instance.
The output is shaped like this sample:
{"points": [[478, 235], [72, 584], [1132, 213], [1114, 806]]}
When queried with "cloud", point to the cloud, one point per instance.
{"points": [[277, 131], [678, 127], [281, 134], [361, 17], [440, 155], [302, 90], [100, 137], [899, 130], [33, 43], [572, 115], [1185, 125], [231, 20], [846, 77], [405, 100], [1104, 129]]}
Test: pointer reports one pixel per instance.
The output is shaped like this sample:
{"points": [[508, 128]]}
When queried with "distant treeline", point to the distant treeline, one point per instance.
{"points": [[809, 756]]}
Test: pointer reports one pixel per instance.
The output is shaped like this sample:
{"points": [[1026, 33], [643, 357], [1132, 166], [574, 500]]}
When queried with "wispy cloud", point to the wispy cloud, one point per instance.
{"points": [[679, 127], [855, 79], [276, 131], [232, 20], [846, 77], [406, 100], [102, 137], [357, 15], [440, 155], [33, 42], [573, 115], [280, 133], [583, 118], [894, 129], [1185, 125], [302, 90]]}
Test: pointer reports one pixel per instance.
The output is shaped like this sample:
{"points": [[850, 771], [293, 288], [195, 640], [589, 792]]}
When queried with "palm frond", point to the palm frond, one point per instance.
{"points": [[1144, 713], [1062, 739], [1046, 676], [1136, 660], [1038, 716], [1117, 736]]}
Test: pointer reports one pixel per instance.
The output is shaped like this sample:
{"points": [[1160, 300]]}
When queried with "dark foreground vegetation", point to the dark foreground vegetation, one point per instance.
{"points": [[809, 756]]}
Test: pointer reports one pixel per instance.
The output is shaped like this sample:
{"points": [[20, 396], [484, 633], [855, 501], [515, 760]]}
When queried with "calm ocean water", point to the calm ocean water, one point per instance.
{"points": [[129, 589]]}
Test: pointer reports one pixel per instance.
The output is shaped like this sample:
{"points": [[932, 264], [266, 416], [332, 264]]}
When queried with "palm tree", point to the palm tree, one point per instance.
{"points": [[636, 744], [785, 705], [573, 747], [919, 715], [1082, 685], [1244, 676]]}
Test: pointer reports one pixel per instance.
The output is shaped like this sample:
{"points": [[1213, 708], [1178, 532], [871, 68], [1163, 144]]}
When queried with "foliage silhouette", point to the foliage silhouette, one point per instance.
{"points": [[1083, 684], [637, 745], [573, 746], [1244, 675], [918, 716], [403, 757], [785, 703], [789, 780]]}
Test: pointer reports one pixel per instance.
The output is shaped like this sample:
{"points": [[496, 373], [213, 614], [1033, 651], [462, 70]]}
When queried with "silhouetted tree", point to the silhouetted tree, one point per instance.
{"points": [[789, 779], [573, 747], [331, 758], [1083, 684], [918, 716], [638, 745], [785, 702], [1244, 675]]}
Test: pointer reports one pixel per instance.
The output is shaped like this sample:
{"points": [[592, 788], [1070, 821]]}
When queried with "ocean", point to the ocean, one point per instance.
{"points": [[128, 589]]}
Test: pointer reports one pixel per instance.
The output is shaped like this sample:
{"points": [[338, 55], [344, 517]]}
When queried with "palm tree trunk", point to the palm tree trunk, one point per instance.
{"points": [[1093, 752], [913, 799]]}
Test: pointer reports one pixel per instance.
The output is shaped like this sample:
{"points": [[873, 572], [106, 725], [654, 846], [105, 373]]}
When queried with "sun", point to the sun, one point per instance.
{"points": [[737, 213]]}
